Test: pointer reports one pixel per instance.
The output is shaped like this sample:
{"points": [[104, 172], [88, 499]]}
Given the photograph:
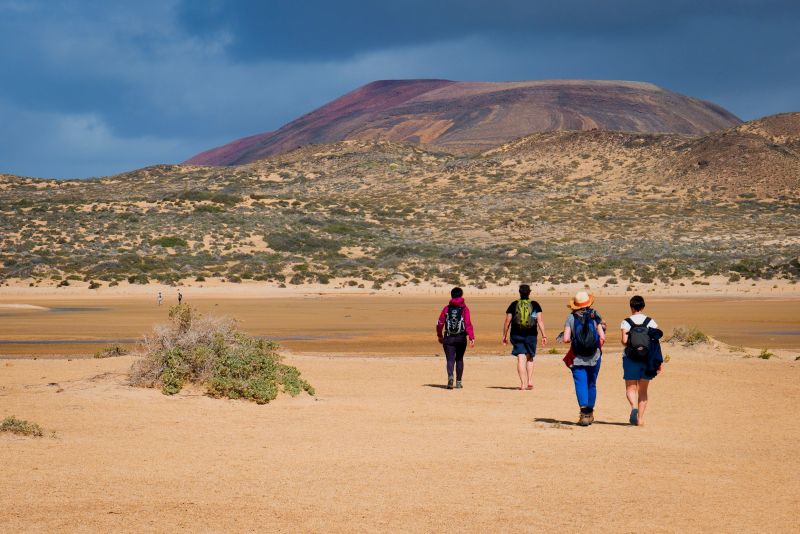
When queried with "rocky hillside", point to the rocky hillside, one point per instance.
{"points": [[554, 206], [459, 116]]}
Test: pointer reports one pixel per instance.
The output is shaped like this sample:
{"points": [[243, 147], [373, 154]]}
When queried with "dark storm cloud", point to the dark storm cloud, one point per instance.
{"points": [[98, 87], [321, 29]]}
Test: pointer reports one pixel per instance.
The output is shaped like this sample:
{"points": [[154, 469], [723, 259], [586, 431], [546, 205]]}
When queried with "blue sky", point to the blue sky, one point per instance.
{"points": [[96, 87]]}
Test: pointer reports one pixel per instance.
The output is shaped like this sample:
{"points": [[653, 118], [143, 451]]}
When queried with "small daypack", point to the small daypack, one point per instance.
{"points": [[585, 340], [454, 323], [524, 314], [638, 340]]}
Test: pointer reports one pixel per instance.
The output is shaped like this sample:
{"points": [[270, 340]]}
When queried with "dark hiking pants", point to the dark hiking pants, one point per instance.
{"points": [[454, 349]]}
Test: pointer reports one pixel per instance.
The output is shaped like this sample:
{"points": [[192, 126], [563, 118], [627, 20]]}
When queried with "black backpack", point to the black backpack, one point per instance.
{"points": [[638, 340], [454, 323], [585, 339]]}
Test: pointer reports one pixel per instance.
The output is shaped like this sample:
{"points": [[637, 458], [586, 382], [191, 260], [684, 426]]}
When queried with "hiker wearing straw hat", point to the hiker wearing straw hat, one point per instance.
{"points": [[585, 335]]}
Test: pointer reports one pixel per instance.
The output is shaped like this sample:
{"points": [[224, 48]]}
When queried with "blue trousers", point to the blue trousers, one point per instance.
{"points": [[585, 378]]}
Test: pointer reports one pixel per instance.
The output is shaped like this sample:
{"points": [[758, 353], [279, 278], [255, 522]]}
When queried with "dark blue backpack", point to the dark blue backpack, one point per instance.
{"points": [[585, 339]]}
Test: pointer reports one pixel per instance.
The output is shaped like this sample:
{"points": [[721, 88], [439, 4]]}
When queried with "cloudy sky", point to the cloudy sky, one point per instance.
{"points": [[95, 87]]}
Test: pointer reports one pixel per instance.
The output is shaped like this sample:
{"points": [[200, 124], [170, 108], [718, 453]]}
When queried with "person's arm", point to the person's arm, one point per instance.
{"points": [[440, 324], [506, 325], [468, 326], [601, 332], [624, 338], [567, 331], [540, 323]]}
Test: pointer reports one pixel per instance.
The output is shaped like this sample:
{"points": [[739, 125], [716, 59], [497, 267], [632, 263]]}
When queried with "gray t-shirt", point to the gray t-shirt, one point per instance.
{"points": [[583, 360]]}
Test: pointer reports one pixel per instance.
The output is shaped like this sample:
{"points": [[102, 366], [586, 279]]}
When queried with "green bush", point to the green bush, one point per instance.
{"points": [[21, 427], [208, 208], [211, 352], [170, 241]]}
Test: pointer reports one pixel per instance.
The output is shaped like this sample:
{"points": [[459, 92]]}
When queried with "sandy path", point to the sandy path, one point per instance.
{"points": [[379, 449]]}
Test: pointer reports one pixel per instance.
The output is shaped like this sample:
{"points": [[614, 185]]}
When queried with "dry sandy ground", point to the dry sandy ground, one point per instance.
{"points": [[384, 448]]}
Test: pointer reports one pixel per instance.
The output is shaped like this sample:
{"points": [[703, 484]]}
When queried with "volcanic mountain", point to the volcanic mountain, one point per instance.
{"points": [[459, 116]]}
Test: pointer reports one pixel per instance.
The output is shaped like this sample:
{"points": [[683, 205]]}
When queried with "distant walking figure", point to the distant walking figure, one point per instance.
{"points": [[524, 317], [180, 297], [585, 335], [160, 298], [453, 329], [642, 359]]}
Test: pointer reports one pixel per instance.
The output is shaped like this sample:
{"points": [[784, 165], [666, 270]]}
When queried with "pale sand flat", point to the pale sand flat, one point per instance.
{"points": [[380, 450]]}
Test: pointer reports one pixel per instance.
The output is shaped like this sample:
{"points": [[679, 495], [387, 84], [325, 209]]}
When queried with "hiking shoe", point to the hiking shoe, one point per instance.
{"points": [[589, 418], [458, 384], [634, 418], [584, 419], [450, 383]]}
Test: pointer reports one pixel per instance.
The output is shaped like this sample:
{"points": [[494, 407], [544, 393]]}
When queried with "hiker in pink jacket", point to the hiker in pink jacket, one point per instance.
{"points": [[453, 329]]}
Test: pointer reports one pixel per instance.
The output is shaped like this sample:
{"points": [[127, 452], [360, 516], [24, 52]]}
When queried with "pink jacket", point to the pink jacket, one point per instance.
{"points": [[467, 320]]}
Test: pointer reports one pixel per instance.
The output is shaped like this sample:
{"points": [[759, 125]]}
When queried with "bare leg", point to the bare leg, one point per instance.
{"points": [[521, 369], [643, 384], [529, 369], [632, 392]]}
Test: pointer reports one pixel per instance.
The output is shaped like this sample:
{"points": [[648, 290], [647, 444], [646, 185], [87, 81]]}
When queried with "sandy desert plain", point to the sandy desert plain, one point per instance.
{"points": [[382, 446]]}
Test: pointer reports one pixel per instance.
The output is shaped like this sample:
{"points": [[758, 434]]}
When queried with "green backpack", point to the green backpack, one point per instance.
{"points": [[524, 316]]}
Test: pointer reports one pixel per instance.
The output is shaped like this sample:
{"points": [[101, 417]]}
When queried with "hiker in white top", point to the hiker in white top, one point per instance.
{"points": [[636, 339]]}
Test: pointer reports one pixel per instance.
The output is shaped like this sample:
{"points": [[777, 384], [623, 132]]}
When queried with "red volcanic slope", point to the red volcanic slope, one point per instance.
{"points": [[480, 115]]}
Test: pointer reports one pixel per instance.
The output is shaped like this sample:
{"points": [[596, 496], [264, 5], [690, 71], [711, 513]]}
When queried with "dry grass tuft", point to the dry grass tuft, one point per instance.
{"points": [[21, 427], [111, 352], [690, 335]]}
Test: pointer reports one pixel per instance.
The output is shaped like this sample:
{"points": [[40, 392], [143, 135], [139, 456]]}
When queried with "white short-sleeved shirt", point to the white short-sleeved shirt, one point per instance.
{"points": [[637, 318]]}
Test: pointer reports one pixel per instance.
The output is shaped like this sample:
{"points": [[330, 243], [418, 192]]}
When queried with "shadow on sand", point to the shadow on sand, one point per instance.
{"points": [[512, 388], [440, 386], [573, 423]]}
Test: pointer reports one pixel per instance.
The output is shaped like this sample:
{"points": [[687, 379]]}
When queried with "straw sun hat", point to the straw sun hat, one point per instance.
{"points": [[581, 300]]}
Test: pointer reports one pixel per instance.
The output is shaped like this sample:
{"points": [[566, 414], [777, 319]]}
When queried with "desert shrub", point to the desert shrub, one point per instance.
{"points": [[140, 278], [170, 241], [210, 351], [208, 208], [63, 283], [111, 352], [95, 285], [21, 427], [765, 354], [689, 335], [211, 196]]}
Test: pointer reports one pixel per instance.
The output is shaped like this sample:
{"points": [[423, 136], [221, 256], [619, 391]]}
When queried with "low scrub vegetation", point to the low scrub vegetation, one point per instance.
{"points": [[765, 354], [690, 335], [241, 223], [211, 352], [21, 427], [111, 352]]}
